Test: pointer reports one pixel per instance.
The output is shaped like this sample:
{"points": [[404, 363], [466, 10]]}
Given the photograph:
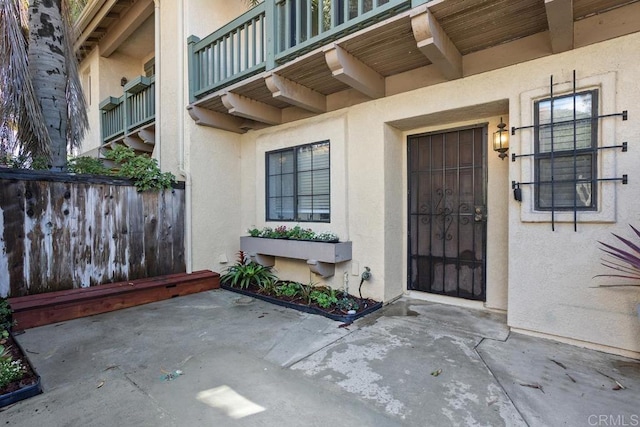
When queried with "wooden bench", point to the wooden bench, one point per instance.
{"points": [[42, 309]]}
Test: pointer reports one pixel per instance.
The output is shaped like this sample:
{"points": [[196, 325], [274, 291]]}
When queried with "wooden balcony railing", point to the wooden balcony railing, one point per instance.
{"points": [[112, 118], [273, 33], [134, 109]]}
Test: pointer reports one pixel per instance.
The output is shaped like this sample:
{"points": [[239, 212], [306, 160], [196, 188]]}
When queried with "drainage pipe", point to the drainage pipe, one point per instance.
{"points": [[158, 74], [182, 147]]}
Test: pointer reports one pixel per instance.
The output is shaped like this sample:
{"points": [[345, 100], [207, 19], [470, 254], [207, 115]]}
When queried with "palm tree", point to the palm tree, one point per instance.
{"points": [[41, 93]]}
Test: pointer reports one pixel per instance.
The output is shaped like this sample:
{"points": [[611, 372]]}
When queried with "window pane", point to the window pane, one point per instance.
{"points": [[563, 134], [281, 162], [287, 161], [305, 183], [287, 185], [273, 161], [304, 158], [280, 208], [321, 182], [275, 186], [321, 155], [567, 185], [287, 211]]}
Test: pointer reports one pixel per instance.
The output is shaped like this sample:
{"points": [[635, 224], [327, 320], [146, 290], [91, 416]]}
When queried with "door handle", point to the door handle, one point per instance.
{"points": [[479, 216]]}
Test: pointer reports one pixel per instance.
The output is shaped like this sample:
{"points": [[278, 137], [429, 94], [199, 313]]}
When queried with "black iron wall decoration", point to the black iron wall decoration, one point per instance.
{"points": [[553, 162]]}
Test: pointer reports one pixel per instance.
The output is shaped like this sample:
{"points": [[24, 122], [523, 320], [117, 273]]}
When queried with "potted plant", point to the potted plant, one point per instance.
{"points": [[18, 379]]}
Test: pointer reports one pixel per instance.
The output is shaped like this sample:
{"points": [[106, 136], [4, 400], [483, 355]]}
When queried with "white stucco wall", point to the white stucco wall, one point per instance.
{"points": [[208, 160], [90, 75], [544, 279], [552, 289]]}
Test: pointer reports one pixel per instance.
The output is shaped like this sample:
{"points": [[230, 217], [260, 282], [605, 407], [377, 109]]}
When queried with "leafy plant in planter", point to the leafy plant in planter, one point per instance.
{"points": [[252, 279], [290, 289], [246, 273], [324, 297], [10, 369], [295, 233], [18, 380]]}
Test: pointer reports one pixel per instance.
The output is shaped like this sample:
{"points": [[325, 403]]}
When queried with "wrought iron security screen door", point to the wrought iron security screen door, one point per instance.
{"points": [[447, 212]]}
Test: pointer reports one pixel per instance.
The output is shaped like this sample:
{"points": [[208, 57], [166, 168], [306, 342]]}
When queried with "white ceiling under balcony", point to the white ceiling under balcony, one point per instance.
{"points": [[116, 25], [400, 51], [141, 43]]}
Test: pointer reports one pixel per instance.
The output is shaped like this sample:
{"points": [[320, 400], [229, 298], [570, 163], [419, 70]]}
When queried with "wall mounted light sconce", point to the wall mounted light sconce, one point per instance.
{"points": [[501, 140], [123, 81]]}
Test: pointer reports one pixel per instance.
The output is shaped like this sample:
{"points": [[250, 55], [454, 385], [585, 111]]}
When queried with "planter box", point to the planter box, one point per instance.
{"points": [[346, 318], [42, 309], [25, 392], [320, 256]]}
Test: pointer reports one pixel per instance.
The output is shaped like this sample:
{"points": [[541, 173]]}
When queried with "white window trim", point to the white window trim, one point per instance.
{"points": [[606, 161]]}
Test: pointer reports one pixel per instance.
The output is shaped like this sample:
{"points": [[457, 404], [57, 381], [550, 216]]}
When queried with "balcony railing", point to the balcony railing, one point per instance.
{"points": [[274, 32], [134, 109]]}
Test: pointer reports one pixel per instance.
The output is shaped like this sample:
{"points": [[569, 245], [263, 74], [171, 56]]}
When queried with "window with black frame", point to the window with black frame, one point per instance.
{"points": [[298, 183], [566, 130]]}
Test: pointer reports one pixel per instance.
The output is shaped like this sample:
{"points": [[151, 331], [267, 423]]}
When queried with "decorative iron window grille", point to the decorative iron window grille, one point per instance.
{"points": [[565, 153]]}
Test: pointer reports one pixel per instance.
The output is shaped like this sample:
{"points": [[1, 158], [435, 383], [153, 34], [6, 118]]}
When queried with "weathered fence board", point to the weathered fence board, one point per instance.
{"points": [[64, 232]]}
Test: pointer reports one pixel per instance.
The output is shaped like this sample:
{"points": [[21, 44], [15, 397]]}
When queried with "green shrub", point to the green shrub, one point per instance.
{"points": [[324, 297], [290, 289], [244, 274], [10, 370], [87, 165], [142, 169], [5, 316]]}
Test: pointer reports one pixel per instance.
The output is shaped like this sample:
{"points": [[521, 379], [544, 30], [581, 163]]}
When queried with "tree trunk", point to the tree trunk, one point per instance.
{"points": [[48, 70]]}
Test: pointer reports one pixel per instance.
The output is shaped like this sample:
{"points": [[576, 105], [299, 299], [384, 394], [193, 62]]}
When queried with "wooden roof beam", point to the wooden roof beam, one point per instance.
{"points": [[126, 26], [296, 94], [353, 72], [148, 135], [95, 22], [560, 20], [248, 108], [204, 117], [137, 144], [435, 44]]}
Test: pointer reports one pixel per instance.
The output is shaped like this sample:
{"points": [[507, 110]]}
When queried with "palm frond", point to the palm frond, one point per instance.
{"points": [[19, 103], [625, 260], [78, 122]]}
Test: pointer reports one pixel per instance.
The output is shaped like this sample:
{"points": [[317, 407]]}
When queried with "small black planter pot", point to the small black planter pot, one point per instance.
{"points": [[25, 392], [347, 318]]}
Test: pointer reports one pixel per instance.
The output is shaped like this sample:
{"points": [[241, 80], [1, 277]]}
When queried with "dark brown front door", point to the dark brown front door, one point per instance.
{"points": [[447, 212]]}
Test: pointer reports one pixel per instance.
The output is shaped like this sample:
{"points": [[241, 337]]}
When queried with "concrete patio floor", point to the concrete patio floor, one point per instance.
{"points": [[220, 359]]}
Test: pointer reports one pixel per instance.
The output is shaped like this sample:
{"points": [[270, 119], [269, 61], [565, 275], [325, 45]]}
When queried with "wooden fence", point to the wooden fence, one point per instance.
{"points": [[64, 231]]}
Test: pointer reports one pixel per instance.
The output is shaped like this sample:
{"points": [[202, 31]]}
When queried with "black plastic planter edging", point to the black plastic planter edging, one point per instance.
{"points": [[346, 318], [25, 392]]}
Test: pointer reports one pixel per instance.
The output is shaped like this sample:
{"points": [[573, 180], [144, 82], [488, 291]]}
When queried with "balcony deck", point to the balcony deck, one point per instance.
{"points": [[272, 65], [130, 119]]}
